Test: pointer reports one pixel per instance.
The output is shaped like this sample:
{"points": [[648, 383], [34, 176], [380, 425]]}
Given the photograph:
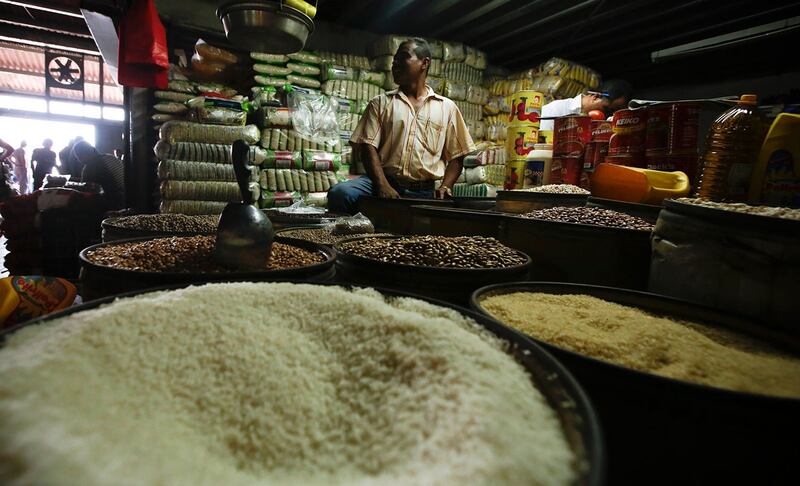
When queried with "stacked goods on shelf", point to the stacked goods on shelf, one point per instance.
{"points": [[571, 137], [559, 79], [484, 172], [194, 164], [383, 50], [522, 135]]}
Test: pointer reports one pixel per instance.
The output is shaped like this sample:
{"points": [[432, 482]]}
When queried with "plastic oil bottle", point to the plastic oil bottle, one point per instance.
{"points": [[731, 152]]}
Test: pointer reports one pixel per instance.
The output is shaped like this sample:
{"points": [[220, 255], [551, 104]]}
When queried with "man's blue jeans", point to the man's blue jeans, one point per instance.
{"points": [[343, 197]]}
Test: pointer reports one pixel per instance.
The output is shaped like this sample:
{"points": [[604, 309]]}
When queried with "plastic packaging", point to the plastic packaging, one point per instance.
{"points": [[192, 207], [305, 56], [180, 170], [455, 90], [165, 117], [538, 166], [23, 298], [453, 52], [731, 152], [274, 199], [776, 179], [182, 86], [214, 54], [346, 60], [205, 190], [382, 63], [173, 96], [269, 58], [272, 70], [371, 77], [352, 90], [270, 80], [284, 139], [203, 152], [180, 131], [314, 117], [303, 81], [351, 225], [304, 69], [331, 71], [283, 159], [276, 117], [265, 96], [317, 160], [296, 180]]}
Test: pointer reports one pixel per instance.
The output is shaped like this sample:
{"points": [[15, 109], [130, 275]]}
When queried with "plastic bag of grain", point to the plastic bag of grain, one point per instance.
{"points": [[387, 45], [165, 117], [274, 199], [276, 117], [453, 52], [263, 57], [435, 69], [198, 171], [265, 96], [182, 86], [477, 94], [454, 90], [303, 81], [172, 96], [216, 89], [436, 84], [317, 160], [191, 207], [203, 152], [270, 80], [283, 159], [371, 77], [304, 69], [314, 117], [331, 71], [306, 57], [382, 63], [272, 70], [437, 48], [205, 190], [180, 131]]}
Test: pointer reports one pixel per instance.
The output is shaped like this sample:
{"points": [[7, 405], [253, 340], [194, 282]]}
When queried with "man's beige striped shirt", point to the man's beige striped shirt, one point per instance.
{"points": [[414, 146]]}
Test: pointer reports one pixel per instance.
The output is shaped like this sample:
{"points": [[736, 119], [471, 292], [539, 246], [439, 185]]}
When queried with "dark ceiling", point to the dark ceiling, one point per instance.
{"points": [[615, 37]]}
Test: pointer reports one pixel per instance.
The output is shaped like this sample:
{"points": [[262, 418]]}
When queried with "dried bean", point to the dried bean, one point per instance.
{"points": [[193, 254], [591, 215], [323, 236], [437, 251], [774, 212], [557, 189], [178, 223]]}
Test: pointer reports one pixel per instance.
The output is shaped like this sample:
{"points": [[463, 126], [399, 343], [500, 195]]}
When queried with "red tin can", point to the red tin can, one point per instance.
{"points": [[629, 128], [571, 134], [672, 129], [596, 153], [601, 130], [566, 170]]}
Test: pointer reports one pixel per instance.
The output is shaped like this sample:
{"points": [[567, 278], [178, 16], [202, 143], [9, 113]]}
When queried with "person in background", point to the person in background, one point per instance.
{"points": [[105, 170], [21, 167], [407, 139], [614, 95], [69, 164], [45, 160], [7, 150]]}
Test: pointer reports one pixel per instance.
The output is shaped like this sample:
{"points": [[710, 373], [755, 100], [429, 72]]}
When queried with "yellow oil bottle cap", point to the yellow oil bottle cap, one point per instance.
{"points": [[748, 99]]}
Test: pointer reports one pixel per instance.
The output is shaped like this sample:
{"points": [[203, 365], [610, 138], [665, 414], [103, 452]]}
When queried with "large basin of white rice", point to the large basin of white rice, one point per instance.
{"points": [[271, 383]]}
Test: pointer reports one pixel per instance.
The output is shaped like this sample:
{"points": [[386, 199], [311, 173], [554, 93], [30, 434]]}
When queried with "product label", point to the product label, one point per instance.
{"points": [[781, 181]]}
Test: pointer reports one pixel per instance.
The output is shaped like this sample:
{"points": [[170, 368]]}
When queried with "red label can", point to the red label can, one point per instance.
{"points": [[571, 134], [629, 128], [601, 130], [683, 129], [596, 153], [566, 170], [657, 133]]}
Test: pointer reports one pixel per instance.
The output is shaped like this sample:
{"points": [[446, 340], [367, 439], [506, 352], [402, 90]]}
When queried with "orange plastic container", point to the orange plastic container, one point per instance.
{"points": [[27, 297], [633, 184]]}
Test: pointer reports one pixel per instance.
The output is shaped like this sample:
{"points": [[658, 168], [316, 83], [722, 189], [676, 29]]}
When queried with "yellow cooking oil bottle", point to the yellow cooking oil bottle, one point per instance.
{"points": [[776, 177], [731, 152]]}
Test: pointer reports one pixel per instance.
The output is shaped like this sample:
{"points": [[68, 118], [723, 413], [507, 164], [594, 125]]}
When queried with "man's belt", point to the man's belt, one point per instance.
{"points": [[413, 185]]}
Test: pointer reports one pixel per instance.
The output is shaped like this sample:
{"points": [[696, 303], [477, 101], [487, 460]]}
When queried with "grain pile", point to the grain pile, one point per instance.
{"points": [[174, 223], [437, 251], [769, 211], [557, 189], [636, 339], [191, 254], [591, 215], [324, 236], [230, 384]]}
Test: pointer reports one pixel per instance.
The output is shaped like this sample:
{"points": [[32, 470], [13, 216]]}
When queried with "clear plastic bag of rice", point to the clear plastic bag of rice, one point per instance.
{"points": [[352, 225]]}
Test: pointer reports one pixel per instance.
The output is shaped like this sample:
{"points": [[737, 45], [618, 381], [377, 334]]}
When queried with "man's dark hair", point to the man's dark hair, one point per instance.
{"points": [[421, 47], [616, 88]]}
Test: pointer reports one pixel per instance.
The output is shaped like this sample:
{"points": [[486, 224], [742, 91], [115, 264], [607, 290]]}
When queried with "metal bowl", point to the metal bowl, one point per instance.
{"points": [[266, 26]]}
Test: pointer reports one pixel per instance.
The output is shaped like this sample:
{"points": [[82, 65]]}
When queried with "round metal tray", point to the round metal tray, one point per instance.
{"points": [[268, 26]]}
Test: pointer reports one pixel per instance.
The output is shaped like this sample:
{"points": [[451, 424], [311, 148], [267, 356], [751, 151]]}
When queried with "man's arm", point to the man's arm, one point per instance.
{"points": [[374, 168], [451, 173]]}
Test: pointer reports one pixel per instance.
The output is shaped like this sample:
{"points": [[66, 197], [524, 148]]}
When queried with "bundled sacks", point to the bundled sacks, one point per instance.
{"points": [[352, 90], [297, 180], [181, 131], [346, 60], [205, 190], [285, 139], [203, 152], [181, 170], [191, 207]]}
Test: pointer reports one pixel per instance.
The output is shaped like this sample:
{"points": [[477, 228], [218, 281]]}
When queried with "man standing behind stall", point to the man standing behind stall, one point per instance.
{"points": [[407, 139], [614, 95], [45, 161]]}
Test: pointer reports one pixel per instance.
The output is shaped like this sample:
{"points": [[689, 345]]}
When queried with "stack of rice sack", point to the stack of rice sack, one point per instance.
{"points": [[462, 68], [383, 50], [289, 176], [195, 168], [559, 79], [484, 172], [301, 69]]}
